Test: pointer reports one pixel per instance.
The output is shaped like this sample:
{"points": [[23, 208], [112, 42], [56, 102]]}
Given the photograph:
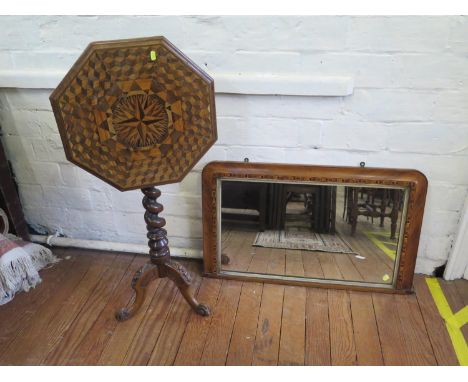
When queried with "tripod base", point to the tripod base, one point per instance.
{"points": [[160, 265], [149, 272]]}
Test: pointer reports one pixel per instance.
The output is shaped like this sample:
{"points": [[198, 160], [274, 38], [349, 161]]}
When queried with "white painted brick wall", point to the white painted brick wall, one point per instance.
{"points": [[409, 109]]}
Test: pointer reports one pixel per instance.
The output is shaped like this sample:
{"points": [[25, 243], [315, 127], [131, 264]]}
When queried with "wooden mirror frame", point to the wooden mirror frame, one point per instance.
{"points": [[413, 181]]}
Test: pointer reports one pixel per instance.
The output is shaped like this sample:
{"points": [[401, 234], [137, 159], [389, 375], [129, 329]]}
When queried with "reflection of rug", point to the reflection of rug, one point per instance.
{"points": [[302, 238]]}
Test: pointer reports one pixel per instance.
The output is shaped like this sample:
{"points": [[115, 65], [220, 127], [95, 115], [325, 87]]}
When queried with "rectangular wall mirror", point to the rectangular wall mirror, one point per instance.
{"points": [[329, 226]]}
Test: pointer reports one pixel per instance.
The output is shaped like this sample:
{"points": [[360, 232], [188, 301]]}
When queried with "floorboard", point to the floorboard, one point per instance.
{"points": [[219, 334], [419, 348], [20, 311], [35, 338], [292, 342], [121, 339], [267, 339], [342, 345], [456, 296], [392, 339], [147, 335], [167, 345], [196, 332], [69, 318], [92, 294], [94, 342], [317, 344], [366, 335], [435, 325], [245, 327]]}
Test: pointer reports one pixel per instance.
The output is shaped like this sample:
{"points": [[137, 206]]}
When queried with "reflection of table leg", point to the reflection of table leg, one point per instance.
{"points": [[394, 213], [161, 264], [353, 213], [383, 207]]}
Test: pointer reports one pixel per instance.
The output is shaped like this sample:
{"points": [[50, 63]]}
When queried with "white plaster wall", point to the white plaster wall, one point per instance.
{"points": [[409, 108]]}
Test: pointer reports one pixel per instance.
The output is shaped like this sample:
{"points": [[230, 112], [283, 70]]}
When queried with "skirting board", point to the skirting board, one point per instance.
{"points": [[111, 246], [423, 266], [225, 83], [427, 266]]}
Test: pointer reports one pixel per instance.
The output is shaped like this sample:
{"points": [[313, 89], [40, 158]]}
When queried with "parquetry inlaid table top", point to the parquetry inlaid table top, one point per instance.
{"points": [[135, 113]]}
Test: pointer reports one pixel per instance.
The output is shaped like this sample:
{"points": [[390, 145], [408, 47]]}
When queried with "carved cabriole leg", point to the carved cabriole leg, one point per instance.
{"points": [[140, 281], [161, 264], [180, 276]]}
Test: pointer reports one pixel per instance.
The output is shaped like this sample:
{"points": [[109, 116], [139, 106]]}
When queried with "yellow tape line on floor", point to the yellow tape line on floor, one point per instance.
{"points": [[372, 236], [453, 321]]}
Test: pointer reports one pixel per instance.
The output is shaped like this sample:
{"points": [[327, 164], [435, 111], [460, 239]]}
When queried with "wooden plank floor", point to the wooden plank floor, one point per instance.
{"points": [[68, 319]]}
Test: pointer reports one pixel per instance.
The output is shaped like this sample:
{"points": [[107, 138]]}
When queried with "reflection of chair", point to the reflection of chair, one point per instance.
{"points": [[319, 202], [243, 197], [373, 203]]}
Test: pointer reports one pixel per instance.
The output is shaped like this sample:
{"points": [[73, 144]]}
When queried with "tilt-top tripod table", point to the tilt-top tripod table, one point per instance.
{"points": [[138, 113]]}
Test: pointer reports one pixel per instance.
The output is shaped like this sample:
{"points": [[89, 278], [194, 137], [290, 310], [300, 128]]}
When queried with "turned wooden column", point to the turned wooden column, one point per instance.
{"points": [[157, 235], [160, 264]]}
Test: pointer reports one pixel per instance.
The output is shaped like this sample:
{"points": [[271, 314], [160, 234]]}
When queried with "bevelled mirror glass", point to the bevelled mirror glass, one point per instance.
{"points": [[310, 230]]}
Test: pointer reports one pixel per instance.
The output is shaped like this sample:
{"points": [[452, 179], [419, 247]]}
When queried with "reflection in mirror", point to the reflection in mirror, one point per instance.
{"points": [[332, 232]]}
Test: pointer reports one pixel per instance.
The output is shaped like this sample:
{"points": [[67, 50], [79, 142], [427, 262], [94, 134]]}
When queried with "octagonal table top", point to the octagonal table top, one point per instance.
{"points": [[135, 113]]}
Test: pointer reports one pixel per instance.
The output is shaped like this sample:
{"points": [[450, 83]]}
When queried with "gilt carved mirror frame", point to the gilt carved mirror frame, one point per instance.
{"points": [[412, 181]]}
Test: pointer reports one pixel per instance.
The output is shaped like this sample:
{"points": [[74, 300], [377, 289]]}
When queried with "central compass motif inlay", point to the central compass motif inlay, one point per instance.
{"points": [[140, 120]]}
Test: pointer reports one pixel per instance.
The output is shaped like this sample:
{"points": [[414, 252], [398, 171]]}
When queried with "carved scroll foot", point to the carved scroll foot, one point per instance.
{"points": [[180, 276], [140, 281], [203, 310]]}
